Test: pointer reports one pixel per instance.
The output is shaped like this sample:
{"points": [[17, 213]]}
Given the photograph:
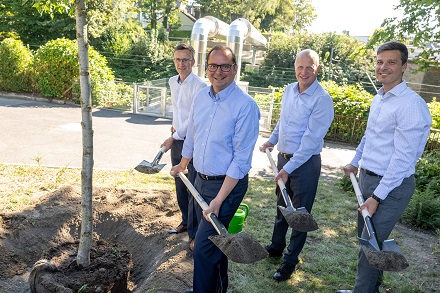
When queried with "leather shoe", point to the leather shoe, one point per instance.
{"points": [[272, 252], [189, 290], [180, 229], [343, 291], [191, 244], [284, 272]]}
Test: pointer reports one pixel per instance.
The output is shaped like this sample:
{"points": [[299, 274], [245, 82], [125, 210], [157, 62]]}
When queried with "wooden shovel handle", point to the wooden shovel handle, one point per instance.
{"points": [[221, 229]]}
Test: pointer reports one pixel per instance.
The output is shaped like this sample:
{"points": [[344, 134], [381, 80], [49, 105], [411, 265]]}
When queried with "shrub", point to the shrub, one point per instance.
{"points": [[434, 109], [16, 62], [57, 70]]}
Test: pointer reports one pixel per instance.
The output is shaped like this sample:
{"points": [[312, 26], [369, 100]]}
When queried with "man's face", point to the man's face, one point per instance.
{"points": [[389, 69], [183, 63], [218, 78], [306, 71]]}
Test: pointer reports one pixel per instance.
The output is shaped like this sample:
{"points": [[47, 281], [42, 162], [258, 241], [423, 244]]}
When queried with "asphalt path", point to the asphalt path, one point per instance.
{"points": [[38, 132]]}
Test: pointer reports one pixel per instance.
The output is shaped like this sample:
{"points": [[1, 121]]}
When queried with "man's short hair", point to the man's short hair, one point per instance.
{"points": [[185, 46], [222, 48], [394, 45]]}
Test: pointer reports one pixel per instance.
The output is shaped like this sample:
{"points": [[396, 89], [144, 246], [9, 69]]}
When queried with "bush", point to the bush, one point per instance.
{"points": [[434, 109], [57, 71], [16, 64], [424, 207]]}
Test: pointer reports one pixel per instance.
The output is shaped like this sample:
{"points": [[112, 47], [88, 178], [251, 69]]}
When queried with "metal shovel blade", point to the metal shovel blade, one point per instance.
{"points": [[148, 168], [240, 247], [299, 219], [152, 168], [390, 258]]}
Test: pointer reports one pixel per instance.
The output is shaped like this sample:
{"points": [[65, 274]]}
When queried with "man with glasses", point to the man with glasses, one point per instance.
{"points": [[222, 132], [306, 114], [184, 88]]}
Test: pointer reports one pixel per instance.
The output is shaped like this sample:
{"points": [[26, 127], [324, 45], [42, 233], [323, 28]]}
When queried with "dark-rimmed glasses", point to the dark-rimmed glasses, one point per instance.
{"points": [[223, 67]]}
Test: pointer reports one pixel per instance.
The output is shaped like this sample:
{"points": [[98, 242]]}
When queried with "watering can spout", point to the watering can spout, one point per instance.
{"points": [[236, 224]]}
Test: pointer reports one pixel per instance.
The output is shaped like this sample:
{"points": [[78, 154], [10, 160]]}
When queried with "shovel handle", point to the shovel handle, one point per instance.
{"points": [[358, 192], [365, 213], [280, 181], [159, 155], [221, 229]]}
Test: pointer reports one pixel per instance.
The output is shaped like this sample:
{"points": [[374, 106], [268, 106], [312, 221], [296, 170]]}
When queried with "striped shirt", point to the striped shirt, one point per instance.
{"points": [[397, 130]]}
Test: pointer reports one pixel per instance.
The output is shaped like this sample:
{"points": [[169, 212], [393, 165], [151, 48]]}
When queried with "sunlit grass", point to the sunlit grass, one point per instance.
{"points": [[328, 260]]}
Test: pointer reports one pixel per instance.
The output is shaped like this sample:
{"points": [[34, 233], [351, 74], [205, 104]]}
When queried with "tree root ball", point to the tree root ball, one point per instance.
{"points": [[109, 270]]}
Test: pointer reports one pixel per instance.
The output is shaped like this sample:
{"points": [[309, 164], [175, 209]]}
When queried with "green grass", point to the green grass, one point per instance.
{"points": [[328, 258]]}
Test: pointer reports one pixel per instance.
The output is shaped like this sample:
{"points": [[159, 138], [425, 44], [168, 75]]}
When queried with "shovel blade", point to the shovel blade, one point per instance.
{"points": [[390, 258], [299, 219], [240, 247], [148, 168]]}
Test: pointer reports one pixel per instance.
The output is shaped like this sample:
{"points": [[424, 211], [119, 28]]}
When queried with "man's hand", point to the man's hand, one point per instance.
{"points": [[371, 205], [168, 143], [283, 175], [266, 145], [176, 169], [350, 169]]}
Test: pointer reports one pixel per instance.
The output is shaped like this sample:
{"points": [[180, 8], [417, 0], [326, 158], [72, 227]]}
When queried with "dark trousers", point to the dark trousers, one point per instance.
{"points": [[301, 187], [185, 200], [210, 264]]}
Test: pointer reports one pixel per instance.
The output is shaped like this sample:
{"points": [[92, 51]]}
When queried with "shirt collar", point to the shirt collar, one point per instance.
{"points": [[395, 91], [310, 90], [187, 79], [223, 94]]}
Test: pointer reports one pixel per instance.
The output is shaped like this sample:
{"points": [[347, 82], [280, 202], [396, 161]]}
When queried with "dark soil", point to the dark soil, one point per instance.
{"points": [[124, 220]]}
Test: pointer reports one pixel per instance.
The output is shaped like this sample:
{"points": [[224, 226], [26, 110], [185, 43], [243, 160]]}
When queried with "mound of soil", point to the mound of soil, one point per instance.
{"points": [[124, 220]]}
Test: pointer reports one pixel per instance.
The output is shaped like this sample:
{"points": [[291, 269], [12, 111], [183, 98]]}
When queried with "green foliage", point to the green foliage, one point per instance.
{"points": [[16, 61], [56, 67], [343, 59], [427, 168], [419, 26], [25, 22], [148, 59], [434, 109], [57, 70], [424, 207]]}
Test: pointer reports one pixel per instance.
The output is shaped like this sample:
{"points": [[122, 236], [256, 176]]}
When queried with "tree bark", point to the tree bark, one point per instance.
{"points": [[85, 244]]}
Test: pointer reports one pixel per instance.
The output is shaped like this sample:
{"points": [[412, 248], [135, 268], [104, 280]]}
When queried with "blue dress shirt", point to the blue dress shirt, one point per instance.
{"points": [[304, 121], [222, 132]]}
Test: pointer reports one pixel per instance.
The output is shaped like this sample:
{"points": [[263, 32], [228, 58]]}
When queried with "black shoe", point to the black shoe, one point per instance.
{"points": [[284, 272], [343, 291], [189, 290], [272, 252]]}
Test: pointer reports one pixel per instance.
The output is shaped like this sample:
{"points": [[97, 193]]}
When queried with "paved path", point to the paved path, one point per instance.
{"points": [[38, 132]]}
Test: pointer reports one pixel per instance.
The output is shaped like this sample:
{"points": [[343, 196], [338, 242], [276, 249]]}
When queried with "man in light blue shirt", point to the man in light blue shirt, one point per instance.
{"points": [[306, 114], [397, 130], [184, 88], [222, 131]]}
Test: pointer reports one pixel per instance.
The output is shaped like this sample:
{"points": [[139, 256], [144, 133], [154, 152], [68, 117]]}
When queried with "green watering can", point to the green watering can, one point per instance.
{"points": [[237, 221]]}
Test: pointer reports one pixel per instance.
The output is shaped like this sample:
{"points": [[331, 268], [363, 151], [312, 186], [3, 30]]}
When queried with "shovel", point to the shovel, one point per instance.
{"points": [[390, 258], [298, 219], [241, 247], [154, 167]]}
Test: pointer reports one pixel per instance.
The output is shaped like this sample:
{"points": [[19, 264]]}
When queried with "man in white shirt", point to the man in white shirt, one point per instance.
{"points": [[397, 130], [184, 88]]}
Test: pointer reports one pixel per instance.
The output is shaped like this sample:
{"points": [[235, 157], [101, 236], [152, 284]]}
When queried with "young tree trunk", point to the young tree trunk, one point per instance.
{"points": [[85, 244]]}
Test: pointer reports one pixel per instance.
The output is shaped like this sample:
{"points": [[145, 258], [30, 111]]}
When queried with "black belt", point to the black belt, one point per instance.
{"points": [[286, 156], [206, 177], [371, 173]]}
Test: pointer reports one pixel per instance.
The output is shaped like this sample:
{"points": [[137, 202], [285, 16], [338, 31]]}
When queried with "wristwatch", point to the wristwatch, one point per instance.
{"points": [[376, 198]]}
